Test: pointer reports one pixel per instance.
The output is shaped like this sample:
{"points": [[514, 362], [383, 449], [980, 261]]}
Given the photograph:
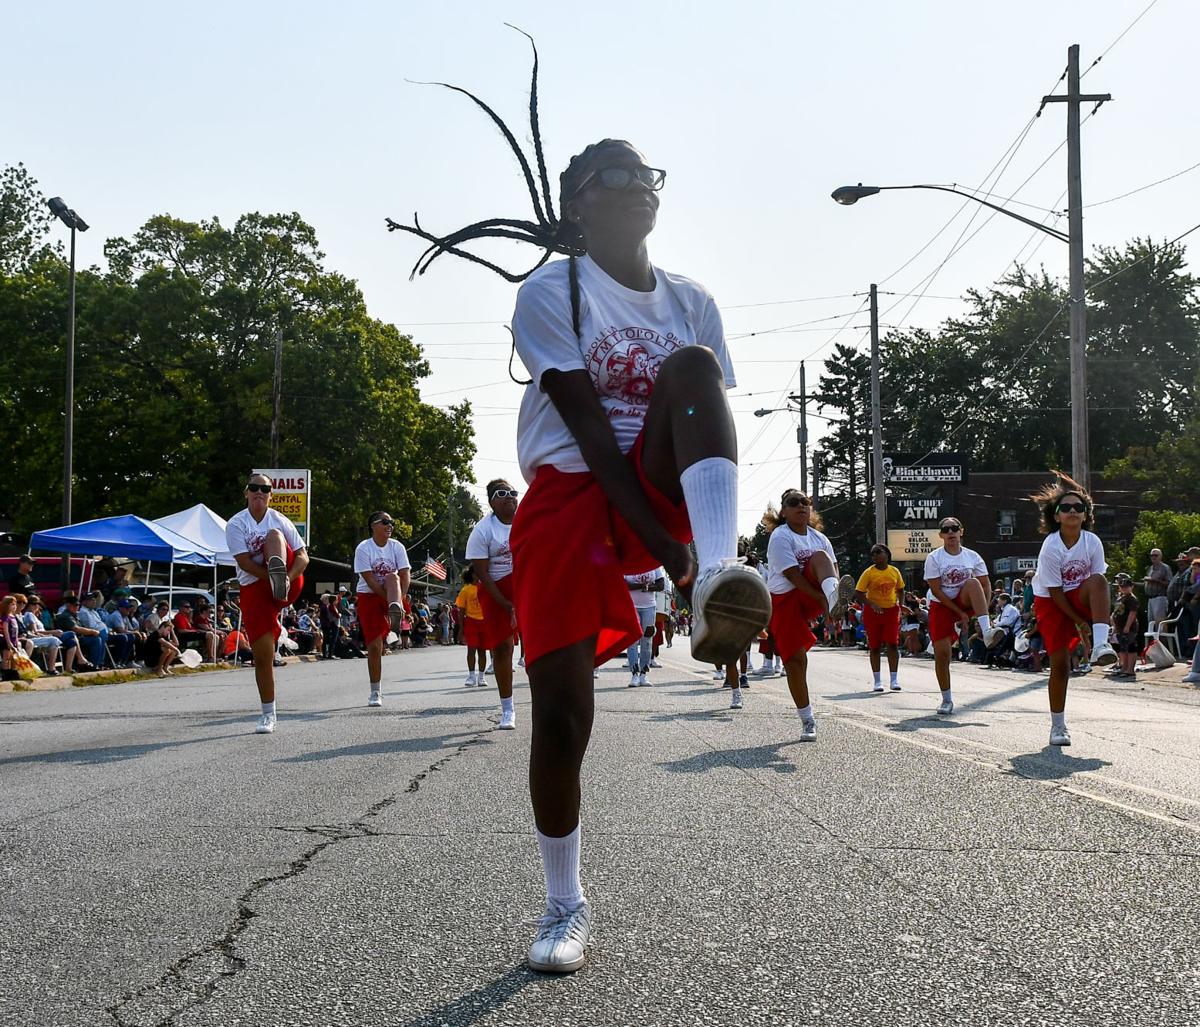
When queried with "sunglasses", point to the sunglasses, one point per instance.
{"points": [[1072, 508], [386, 524], [797, 501], [623, 178], [949, 529], [505, 494], [256, 486]]}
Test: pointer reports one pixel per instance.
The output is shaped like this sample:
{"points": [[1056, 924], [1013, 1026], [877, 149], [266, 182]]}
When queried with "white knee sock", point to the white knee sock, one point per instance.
{"points": [[506, 705], [710, 490], [830, 587], [560, 862], [1099, 634]]}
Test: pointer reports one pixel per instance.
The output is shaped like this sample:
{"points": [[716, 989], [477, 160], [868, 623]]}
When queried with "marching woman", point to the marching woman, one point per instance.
{"points": [[804, 585], [643, 589], [490, 553], [958, 588], [384, 573], [271, 558], [472, 627], [1070, 591], [628, 443], [879, 590]]}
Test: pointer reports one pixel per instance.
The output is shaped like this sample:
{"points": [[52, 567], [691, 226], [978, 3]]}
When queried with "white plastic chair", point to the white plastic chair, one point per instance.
{"points": [[1164, 632]]}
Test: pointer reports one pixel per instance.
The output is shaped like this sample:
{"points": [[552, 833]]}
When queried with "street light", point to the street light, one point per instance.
{"points": [[75, 223]]}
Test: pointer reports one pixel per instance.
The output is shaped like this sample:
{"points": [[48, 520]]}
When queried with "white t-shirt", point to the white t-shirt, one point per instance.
{"points": [[243, 534], [645, 600], [380, 560], [1060, 567], [489, 541], [952, 571], [624, 337], [787, 549]]}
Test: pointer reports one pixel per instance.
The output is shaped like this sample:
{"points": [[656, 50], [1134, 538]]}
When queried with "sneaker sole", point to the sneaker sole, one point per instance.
{"points": [[845, 596], [277, 573], [557, 968], [506, 727], [1060, 745], [736, 610], [1106, 660]]}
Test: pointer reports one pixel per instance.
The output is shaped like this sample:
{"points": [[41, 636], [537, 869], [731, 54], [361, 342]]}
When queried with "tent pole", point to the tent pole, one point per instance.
{"points": [[148, 562]]}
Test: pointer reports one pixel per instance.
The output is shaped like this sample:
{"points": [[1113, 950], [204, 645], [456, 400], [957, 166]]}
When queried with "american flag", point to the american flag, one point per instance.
{"points": [[435, 569]]}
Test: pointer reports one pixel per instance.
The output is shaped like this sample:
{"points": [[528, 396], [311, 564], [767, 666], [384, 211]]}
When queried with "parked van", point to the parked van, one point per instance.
{"points": [[47, 576]]}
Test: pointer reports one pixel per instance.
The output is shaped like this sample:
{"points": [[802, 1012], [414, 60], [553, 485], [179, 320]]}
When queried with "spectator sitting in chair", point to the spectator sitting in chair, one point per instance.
{"points": [[1008, 618], [118, 647], [65, 642], [186, 631], [90, 641], [307, 633], [121, 640]]}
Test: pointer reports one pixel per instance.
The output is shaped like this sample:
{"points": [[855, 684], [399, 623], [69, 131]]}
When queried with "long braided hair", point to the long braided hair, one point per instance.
{"points": [[548, 231]]}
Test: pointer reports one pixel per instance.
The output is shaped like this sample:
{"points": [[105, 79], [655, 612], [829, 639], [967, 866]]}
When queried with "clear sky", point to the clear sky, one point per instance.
{"points": [[757, 111]]}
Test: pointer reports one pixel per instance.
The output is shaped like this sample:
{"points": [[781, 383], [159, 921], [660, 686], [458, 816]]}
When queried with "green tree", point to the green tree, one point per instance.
{"points": [[24, 220], [174, 367], [845, 387], [1167, 530]]}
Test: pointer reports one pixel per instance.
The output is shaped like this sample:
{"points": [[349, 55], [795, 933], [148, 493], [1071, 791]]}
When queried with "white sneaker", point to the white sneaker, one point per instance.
{"points": [[641, 680], [994, 636], [845, 596], [376, 699], [633, 681], [479, 679], [765, 671], [946, 708], [735, 700], [779, 671], [895, 686], [654, 662], [560, 946], [265, 725], [491, 668], [1191, 678], [1060, 735], [1103, 655], [521, 662], [595, 672], [730, 606], [808, 730], [508, 720], [718, 675], [470, 682], [877, 686]]}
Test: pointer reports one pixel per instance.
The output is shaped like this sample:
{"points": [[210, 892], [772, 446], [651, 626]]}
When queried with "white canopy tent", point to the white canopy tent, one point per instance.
{"points": [[206, 528]]}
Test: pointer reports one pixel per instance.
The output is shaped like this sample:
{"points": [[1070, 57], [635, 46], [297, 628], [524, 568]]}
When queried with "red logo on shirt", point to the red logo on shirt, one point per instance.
{"points": [[955, 576], [1075, 571], [624, 362]]}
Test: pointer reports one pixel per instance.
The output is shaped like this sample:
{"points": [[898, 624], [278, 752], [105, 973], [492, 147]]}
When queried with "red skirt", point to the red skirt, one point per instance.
{"points": [[260, 608], [372, 616], [472, 630], [571, 552], [791, 615], [882, 628], [942, 623], [496, 626], [1058, 631]]}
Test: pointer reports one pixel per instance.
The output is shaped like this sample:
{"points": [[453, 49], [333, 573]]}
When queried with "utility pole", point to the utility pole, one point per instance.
{"points": [[450, 536], [277, 390], [817, 468], [877, 426], [802, 433], [1079, 411]]}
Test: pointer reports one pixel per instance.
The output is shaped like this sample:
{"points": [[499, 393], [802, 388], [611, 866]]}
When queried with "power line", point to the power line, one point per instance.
{"points": [[1124, 32], [1142, 188]]}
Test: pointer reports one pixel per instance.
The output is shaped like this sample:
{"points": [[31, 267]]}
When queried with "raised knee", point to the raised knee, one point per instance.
{"points": [[692, 361]]}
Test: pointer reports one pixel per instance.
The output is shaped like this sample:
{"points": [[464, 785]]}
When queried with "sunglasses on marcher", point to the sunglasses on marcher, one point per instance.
{"points": [[797, 501], [385, 523], [257, 486], [505, 494], [949, 529], [1072, 508], [623, 178]]}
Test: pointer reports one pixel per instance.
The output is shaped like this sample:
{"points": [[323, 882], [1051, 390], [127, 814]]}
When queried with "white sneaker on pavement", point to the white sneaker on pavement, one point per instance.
{"points": [[491, 668], [479, 679], [560, 946], [718, 675], [946, 708], [654, 662], [633, 681], [508, 720], [895, 686], [1103, 655], [376, 699], [730, 606], [877, 686], [641, 680], [470, 682], [521, 662], [735, 701], [1191, 678], [808, 730], [1060, 736], [265, 725]]}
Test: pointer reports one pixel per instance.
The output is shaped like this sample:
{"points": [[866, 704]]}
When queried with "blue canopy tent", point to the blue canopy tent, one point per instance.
{"points": [[127, 536]]}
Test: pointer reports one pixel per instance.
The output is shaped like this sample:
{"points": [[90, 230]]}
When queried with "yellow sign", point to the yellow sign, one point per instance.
{"points": [[293, 505], [912, 543], [292, 491]]}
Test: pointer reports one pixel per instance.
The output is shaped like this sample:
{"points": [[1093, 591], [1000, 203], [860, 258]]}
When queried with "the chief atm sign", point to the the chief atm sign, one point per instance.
{"points": [[291, 495]]}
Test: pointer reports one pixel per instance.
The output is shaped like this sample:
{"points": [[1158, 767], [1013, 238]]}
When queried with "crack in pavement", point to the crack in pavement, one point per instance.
{"points": [[192, 979]]}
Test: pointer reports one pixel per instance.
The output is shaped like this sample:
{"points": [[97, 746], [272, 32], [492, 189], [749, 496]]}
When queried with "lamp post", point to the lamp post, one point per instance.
{"points": [[75, 223]]}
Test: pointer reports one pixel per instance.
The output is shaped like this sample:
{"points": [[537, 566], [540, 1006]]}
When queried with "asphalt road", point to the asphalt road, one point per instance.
{"points": [[163, 865]]}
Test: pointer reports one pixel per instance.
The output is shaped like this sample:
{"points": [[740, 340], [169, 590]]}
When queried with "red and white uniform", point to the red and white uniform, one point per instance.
{"points": [[491, 540], [572, 548], [1065, 568], [952, 572], [243, 534], [371, 607], [792, 609]]}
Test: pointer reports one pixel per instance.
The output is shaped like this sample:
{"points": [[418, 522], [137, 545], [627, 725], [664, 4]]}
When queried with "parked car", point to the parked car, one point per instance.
{"points": [[176, 596]]}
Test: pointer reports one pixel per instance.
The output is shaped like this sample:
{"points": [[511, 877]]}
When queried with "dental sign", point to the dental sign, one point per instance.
{"points": [[291, 495]]}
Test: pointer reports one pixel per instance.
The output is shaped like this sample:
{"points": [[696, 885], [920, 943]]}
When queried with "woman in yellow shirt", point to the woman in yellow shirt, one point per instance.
{"points": [[472, 629], [879, 590]]}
